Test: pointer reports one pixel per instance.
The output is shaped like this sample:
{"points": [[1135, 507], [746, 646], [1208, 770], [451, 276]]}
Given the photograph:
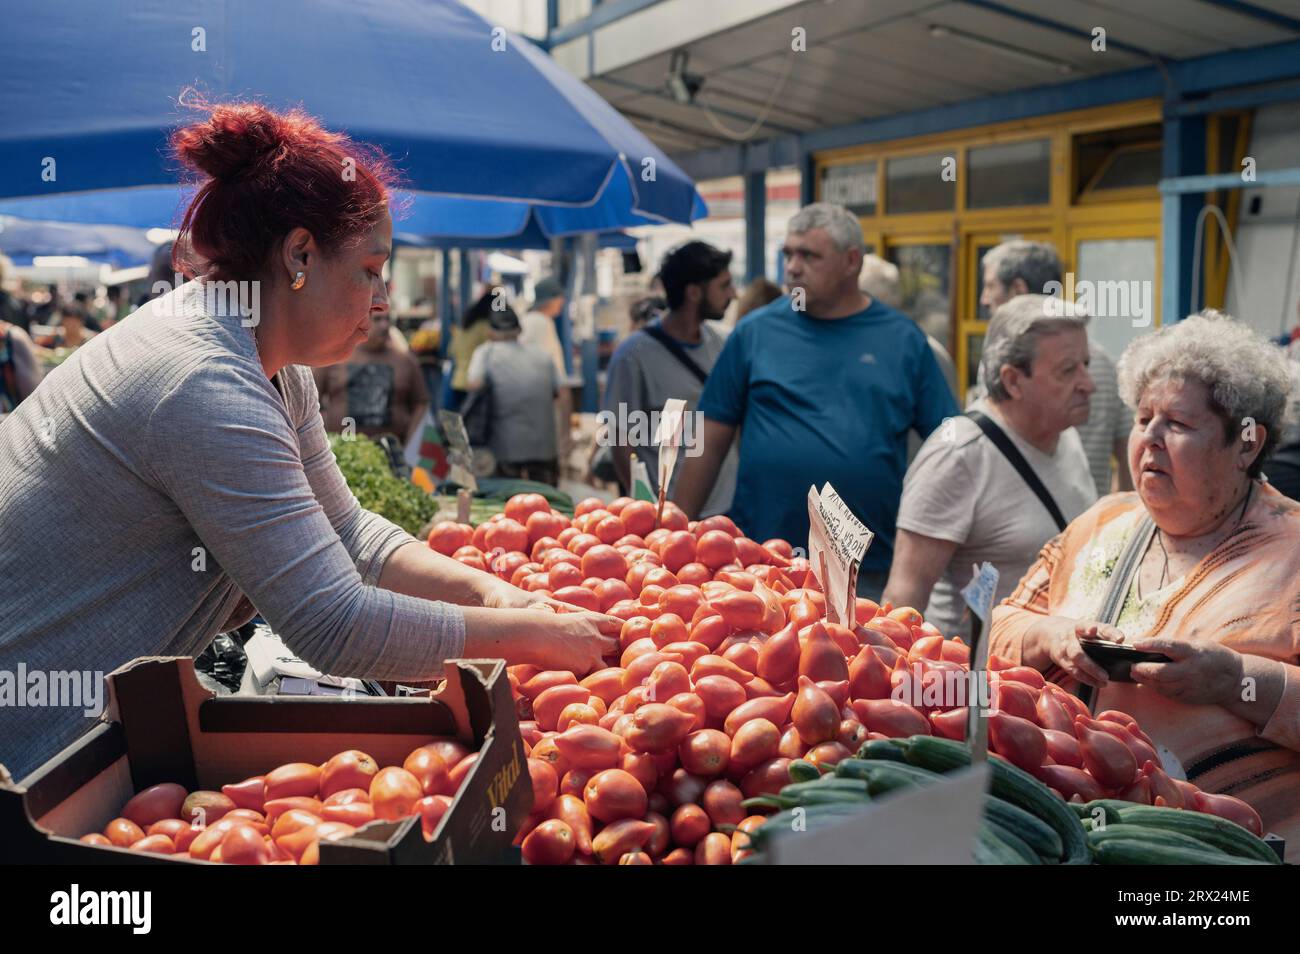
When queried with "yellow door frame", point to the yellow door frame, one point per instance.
{"points": [[1120, 231], [1132, 213], [968, 321], [891, 240]]}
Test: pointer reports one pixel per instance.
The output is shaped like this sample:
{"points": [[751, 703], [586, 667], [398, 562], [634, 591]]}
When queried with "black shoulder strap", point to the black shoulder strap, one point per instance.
{"points": [[676, 350], [1017, 460]]}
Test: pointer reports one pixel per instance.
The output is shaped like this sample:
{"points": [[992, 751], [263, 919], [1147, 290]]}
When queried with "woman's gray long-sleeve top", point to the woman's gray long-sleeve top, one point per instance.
{"points": [[151, 479]]}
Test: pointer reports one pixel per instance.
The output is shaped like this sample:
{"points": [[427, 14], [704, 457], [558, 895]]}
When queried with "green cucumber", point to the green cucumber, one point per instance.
{"points": [[1015, 843], [802, 818], [1222, 834], [989, 849], [1110, 808], [890, 750], [825, 796], [802, 771], [854, 767], [824, 784], [1010, 784], [1039, 835], [889, 776], [1141, 851], [884, 777], [1156, 836]]}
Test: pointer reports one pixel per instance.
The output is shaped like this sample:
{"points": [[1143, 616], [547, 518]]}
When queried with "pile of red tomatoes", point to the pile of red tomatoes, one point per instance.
{"points": [[729, 669]]}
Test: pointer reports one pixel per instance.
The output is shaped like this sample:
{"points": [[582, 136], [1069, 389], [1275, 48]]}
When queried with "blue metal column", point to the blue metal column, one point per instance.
{"points": [[586, 268], [465, 288], [562, 269], [807, 179], [1183, 154], [445, 325], [755, 225], [444, 304]]}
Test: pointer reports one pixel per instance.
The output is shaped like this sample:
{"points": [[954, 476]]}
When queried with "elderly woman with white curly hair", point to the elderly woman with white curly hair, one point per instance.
{"points": [[1201, 565]]}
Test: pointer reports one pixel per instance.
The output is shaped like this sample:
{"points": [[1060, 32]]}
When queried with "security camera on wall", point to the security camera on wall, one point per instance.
{"points": [[683, 85]]}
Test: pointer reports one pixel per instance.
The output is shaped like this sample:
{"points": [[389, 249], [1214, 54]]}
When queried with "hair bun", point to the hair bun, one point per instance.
{"points": [[260, 174], [237, 140]]}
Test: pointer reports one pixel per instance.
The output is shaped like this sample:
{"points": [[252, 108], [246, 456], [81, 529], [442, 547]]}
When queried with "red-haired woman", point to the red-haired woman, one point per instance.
{"points": [[178, 464]]}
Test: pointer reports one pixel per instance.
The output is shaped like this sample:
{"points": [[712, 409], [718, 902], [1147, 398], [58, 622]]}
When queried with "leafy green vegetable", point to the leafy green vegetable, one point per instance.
{"points": [[365, 467]]}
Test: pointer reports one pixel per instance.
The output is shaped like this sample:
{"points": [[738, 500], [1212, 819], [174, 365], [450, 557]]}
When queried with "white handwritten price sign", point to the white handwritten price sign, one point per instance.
{"points": [[978, 594], [669, 439], [837, 541]]}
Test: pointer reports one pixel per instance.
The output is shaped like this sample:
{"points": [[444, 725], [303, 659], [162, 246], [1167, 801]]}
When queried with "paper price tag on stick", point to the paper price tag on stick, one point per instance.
{"points": [[462, 476], [669, 438], [459, 454], [453, 425], [642, 489], [837, 541], [978, 594]]}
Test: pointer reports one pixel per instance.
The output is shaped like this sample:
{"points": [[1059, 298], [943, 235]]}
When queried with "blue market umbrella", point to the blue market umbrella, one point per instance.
{"points": [[487, 129], [531, 237], [23, 241]]}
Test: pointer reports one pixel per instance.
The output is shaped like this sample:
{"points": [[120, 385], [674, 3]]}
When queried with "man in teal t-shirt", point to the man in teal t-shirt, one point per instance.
{"points": [[824, 385]]}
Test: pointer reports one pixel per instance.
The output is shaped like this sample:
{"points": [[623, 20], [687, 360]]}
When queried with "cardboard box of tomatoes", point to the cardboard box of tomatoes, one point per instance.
{"points": [[161, 725]]}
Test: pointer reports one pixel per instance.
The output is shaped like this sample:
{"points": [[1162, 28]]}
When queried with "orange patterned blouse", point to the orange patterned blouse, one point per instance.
{"points": [[1246, 593]]}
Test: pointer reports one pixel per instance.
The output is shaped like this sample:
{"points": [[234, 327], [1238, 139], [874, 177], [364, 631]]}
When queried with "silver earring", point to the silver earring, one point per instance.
{"points": [[299, 279]]}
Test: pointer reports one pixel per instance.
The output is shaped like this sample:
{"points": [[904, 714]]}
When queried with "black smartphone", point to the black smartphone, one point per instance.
{"points": [[1118, 659]]}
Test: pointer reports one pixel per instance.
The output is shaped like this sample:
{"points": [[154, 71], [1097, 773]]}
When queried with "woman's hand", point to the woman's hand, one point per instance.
{"points": [[576, 641], [1201, 673], [498, 594], [1058, 640]]}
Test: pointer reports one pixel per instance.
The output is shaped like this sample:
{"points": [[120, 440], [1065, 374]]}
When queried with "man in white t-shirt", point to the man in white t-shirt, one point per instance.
{"points": [[538, 333], [538, 324], [964, 501]]}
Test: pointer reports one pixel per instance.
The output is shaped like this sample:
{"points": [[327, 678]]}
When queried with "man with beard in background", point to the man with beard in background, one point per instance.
{"points": [[671, 357]]}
